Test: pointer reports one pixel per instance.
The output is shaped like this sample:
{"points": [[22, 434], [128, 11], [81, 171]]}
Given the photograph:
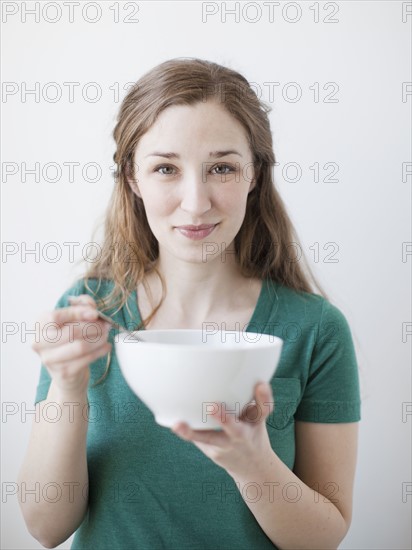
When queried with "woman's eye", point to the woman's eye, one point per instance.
{"points": [[223, 169], [218, 169], [163, 167]]}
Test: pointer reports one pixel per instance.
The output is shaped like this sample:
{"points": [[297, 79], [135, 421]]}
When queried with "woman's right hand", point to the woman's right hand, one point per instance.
{"points": [[70, 339]]}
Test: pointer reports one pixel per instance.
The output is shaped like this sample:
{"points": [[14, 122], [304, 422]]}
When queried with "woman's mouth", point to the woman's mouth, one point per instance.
{"points": [[196, 232]]}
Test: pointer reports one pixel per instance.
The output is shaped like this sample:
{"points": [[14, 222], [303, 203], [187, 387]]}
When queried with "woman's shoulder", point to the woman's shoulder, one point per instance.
{"points": [[294, 297], [308, 305]]}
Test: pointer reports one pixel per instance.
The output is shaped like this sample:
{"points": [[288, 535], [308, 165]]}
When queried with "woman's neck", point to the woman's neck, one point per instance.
{"points": [[200, 289]]}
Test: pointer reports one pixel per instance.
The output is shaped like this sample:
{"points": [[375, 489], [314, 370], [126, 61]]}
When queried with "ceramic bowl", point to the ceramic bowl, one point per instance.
{"points": [[182, 375]]}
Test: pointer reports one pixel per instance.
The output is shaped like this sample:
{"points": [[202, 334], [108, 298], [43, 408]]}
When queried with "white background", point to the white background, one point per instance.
{"points": [[366, 213]]}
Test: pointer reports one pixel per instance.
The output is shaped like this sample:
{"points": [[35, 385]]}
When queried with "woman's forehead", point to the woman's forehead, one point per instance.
{"points": [[201, 127]]}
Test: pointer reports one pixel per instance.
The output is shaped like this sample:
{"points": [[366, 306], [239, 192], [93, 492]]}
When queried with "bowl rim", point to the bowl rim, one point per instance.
{"points": [[243, 346]]}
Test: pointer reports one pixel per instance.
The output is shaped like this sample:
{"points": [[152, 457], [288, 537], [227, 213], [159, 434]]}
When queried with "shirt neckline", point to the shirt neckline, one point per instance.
{"points": [[267, 301]]}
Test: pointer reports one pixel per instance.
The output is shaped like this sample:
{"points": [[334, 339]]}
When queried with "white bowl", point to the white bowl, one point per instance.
{"points": [[182, 374]]}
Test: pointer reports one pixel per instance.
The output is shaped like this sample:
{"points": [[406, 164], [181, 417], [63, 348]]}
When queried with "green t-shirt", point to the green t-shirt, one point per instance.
{"points": [[149, 489]]}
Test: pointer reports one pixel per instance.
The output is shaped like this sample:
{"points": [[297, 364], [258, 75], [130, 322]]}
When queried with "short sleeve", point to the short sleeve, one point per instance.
{"points": [[45, 379], [332, 392]]}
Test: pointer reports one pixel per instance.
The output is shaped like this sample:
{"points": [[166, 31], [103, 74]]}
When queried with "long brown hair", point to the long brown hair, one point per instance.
{"points": [[263, 242]]}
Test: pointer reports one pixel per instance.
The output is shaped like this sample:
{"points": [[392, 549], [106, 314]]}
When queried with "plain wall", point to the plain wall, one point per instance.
{"points": [[361, 61]]}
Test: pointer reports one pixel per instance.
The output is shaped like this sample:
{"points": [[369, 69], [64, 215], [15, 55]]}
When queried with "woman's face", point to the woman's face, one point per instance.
{"points": [[194, 167]]}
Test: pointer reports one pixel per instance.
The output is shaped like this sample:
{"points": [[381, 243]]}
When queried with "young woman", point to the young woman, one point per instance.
{"points": [[194, 148]]}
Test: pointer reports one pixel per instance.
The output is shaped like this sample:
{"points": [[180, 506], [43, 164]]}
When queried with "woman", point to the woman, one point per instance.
{"points": [[194, 148]]}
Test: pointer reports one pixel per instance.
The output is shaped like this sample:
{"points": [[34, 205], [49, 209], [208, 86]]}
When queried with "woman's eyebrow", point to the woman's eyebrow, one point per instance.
{"points": [[212, 154], [218, 154]]}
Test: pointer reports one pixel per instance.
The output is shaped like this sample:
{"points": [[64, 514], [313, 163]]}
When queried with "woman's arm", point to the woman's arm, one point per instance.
{"points": [[312, 506], [53, 478], [56, 455]]}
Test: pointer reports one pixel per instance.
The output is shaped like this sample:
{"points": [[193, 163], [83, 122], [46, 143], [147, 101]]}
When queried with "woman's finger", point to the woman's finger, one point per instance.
{"points": [[82, 299], [71, 314], [79, 363], [72, 350], [54, 334], [210, 437], [264, 400], [228, 420]]}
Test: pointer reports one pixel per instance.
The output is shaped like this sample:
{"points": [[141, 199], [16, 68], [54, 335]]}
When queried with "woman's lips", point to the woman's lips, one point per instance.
{"points": [[190, 232]]}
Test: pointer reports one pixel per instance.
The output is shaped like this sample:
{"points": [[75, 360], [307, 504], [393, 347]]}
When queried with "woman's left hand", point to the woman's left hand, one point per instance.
{"points": [[243, 443]]}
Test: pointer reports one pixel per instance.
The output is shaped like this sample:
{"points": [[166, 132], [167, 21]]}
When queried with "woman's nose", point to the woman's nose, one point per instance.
{"points": [[195, 195]]}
